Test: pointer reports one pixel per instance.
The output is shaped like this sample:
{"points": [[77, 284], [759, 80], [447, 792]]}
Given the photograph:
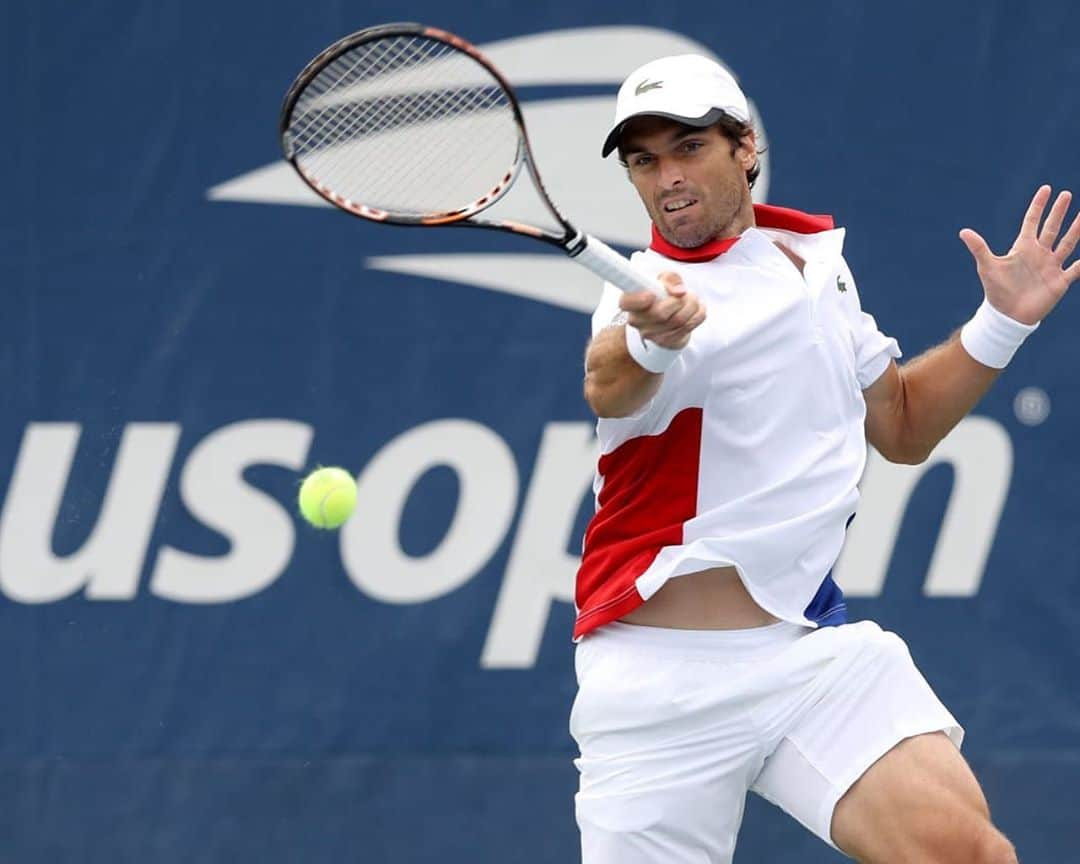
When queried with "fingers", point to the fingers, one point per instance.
{"points": [[672, 283], [666, 319], [641, 301], [665, 313], [1068, 242], [976, 246], [637, 301], [1030, 226], [680, 337], [680, 315], [1053, 222]]}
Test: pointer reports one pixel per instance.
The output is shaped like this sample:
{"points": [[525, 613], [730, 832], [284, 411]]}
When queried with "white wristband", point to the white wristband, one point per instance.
{"points": [[992, 337], [648, 355]]}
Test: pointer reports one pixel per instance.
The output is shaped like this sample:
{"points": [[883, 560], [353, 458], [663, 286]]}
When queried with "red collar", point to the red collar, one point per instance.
{"points": [[765, 216]]}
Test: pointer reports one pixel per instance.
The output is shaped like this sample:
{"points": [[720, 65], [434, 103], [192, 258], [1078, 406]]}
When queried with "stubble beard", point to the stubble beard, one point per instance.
{"points": [[689, 236], [725, 210]]}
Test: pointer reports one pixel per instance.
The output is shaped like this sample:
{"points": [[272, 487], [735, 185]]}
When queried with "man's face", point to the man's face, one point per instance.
{"points": [[692, 184]]}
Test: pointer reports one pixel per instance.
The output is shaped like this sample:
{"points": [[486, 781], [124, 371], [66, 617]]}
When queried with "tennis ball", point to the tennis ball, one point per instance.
{"points": [[327, 497]]}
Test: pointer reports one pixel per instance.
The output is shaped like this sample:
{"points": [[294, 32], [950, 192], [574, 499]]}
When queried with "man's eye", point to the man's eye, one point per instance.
{"points": [[642, 161], [691, 146]]}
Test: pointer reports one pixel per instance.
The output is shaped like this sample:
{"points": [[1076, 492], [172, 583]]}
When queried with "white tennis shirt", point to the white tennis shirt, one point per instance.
{"points": [[750, 452]]}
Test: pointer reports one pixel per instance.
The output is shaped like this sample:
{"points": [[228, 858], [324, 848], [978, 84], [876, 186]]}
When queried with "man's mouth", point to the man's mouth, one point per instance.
{"points": [[677, 204]]}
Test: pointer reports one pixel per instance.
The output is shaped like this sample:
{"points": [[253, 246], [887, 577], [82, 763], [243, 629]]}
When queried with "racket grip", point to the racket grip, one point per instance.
{"points": [[612, 267]]}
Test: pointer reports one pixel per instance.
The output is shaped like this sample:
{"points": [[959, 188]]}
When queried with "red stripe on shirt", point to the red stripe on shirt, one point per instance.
{"points": [[649, 490]]}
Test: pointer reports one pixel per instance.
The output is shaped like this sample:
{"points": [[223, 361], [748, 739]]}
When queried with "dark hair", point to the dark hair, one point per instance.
{"points": [[734, 130]]}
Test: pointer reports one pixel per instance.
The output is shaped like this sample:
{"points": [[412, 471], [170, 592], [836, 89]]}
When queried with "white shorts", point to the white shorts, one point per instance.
{"points": [[674, 726]]}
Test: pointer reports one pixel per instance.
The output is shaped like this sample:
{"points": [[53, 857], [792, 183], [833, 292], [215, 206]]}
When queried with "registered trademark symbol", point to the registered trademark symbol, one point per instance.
{"points": [[1032, 406]]}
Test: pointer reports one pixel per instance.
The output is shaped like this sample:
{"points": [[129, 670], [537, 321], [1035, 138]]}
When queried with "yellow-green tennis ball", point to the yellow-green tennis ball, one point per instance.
{"points": [[327, 497]]}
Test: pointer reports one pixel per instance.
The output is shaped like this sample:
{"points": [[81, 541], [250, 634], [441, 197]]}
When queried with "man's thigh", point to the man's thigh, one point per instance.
{"points": [[865, 697], [919, 802]]}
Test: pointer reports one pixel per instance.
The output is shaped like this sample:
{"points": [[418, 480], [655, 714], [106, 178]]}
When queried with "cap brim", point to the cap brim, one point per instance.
{"points": [[706, 119]]}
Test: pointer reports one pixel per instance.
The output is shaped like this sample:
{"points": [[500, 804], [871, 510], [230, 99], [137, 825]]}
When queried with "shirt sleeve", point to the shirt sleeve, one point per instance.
{"points": [[873, 349]]}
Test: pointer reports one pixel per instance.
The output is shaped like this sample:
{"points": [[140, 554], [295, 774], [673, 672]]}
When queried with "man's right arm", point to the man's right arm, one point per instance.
{"points": [[615, 385]]}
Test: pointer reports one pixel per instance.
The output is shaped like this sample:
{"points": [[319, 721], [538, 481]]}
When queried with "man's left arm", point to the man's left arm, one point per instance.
{"points": [[910, 409]]}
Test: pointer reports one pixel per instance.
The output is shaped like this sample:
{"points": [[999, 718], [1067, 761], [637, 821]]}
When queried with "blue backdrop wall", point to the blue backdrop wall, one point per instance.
{"points": [[192, 674]]}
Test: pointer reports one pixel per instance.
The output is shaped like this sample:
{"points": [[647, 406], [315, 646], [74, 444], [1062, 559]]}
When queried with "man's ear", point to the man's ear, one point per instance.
{"points": [[747, 153]]}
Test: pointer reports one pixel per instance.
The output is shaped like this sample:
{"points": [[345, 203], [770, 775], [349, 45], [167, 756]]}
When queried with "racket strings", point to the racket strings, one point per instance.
{"points": [[405, 124], [439, 161], [343, 74], [407, 109], [318, 121], [375, 115]]}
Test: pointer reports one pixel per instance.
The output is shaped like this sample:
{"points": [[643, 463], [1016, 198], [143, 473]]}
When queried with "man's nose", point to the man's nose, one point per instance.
{"points": [[671, 174]]}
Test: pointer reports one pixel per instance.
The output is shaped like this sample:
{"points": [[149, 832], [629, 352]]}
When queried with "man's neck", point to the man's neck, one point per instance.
{"points": [[744, 219]]}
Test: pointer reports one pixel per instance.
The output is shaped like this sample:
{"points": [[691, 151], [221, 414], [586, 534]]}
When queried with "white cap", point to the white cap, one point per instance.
{"points": [[687, 87]]}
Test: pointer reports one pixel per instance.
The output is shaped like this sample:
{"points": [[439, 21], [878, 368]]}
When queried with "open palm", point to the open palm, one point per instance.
{"points": [[1029, 280]]}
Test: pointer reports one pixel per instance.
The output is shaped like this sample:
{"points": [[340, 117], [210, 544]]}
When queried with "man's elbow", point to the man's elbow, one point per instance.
{"points": [[602, 406], [592, 397], [605, 402], [910, 457], [904, 452]]}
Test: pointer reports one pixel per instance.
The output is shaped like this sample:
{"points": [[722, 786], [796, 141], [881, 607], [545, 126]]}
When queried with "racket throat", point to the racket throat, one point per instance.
{"points": [[576, 244]]}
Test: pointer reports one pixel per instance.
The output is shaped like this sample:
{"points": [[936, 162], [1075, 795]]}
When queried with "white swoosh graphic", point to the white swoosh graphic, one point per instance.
{"points": [[551, 279]]}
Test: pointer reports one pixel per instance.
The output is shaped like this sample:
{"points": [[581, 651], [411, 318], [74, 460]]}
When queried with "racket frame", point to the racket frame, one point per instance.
{"points": [[569, 239]]}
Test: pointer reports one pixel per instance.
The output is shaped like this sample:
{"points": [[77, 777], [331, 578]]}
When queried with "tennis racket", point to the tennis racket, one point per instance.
{"points": [[411, 125]]}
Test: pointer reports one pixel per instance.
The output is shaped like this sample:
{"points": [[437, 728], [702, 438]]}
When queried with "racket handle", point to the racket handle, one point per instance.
{"points": [[612, 267]]}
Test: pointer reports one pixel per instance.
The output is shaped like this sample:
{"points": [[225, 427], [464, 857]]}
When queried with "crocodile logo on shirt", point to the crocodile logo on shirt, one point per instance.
{"points": [[841, 285]]}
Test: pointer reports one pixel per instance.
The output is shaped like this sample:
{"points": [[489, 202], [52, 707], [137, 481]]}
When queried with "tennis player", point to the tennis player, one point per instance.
{"points": [[714, 653]]}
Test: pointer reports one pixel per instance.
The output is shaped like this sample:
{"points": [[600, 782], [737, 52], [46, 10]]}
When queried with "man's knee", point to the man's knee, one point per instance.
{"points": [[971, 842], [968, 841]]}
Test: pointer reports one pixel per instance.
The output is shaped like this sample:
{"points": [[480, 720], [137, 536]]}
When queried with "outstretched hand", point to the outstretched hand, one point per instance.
{"points": [[1029, 280]]}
